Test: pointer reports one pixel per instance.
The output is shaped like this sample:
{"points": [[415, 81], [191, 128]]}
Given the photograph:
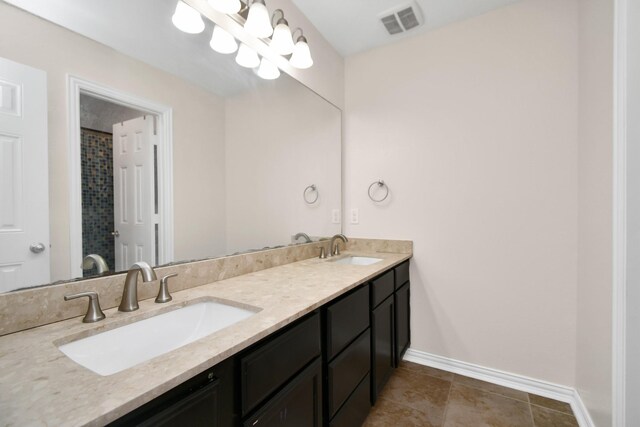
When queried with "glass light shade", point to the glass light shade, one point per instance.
{"points": [[301, 57], [222, 41], [187, 19], [282, 42], [247, 57], [268, 70], [258, 22], [226, 6]]}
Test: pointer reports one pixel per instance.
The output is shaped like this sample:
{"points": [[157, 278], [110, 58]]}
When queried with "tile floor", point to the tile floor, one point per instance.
{"points": [[417, 395]]}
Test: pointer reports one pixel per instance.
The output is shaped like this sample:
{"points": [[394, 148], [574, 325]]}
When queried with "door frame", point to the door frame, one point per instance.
{"points": [[77, 86], [620, 226]]}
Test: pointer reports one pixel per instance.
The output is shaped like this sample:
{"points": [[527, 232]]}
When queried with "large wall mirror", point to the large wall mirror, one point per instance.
{"points": [[157, 148]]}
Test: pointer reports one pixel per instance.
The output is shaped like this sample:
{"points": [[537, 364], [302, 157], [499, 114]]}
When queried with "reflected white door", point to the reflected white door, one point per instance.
{"points": [[134, 196], [24, 188]]}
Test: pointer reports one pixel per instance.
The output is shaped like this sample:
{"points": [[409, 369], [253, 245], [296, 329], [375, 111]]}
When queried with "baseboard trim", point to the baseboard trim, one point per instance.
{"points": [[506, 379]]}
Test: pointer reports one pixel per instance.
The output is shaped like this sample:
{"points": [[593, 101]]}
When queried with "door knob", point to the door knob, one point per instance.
{"points": [[115, 233], [37, 248]]}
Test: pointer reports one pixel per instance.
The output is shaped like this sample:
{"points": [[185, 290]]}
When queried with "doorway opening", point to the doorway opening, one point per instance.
{"points": [[121, 179]]}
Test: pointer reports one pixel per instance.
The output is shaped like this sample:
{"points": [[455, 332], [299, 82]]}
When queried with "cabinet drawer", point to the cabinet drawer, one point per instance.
{"points": [[269, 366], [356, 408], [381, 288], [402, 274], [347, 370], [298, 404], [346, 319]]}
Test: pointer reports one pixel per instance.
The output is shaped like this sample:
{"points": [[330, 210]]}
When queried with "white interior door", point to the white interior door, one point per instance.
{"points": [[134, 200], [24, 177]]}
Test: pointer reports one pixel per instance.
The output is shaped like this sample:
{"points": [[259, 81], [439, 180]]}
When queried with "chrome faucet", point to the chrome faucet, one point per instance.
{"points": [[130, 293], [306, 237], [335, 250], [95, 260]]}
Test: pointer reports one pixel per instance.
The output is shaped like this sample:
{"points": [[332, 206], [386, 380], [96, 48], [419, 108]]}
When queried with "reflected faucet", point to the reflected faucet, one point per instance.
{"points": [[95, 260], [306, 237], [130, 293], [335, 250]]}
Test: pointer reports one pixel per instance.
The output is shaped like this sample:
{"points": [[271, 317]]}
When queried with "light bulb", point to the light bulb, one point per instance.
{"points": [[247, 57], [258, 22], [222, 41], [301, 57], [226, 6], [268, 70], [282, 42], [187, 19]]}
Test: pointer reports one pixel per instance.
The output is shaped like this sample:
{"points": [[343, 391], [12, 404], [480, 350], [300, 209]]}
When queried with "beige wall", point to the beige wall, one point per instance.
{"points": [[291, 141], [198, 129], [474, 128], [593, 366]]}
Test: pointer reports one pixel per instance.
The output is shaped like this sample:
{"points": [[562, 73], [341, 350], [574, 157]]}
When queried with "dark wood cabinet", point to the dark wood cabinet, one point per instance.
{"points": [[347, 357], [402, 319], [298, 404], [205, 400], [325, 369], [382, 345], [356, 408], [345, 320], [274, 361]]}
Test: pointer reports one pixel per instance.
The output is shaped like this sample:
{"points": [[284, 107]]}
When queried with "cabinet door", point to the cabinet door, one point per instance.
{"points": [[403, 315], [298, 404], [382, 351]]}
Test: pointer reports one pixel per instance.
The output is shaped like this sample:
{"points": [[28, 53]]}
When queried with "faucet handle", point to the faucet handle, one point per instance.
{"points": [[94, 312], [163, 292], [323, 254]]}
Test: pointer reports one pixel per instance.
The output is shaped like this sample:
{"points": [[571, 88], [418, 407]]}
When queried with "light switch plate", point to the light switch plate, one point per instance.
{"points": [[335, 216], [355, 216]]}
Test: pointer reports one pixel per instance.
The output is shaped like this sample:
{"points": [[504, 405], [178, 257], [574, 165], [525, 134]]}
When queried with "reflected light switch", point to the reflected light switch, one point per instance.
{"points": [[355, 216], [335, 216]]}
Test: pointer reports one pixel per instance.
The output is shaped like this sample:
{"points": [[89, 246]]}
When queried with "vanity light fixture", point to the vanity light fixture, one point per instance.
{"points": [[268, 70], [301, 57], [222, 41], [226, 6], [258, 23], [187, 19], [247, 57], [282, 41]]}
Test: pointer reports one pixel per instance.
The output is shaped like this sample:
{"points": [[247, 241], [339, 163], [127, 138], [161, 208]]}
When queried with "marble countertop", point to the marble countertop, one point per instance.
{"points": [[39, 385]]}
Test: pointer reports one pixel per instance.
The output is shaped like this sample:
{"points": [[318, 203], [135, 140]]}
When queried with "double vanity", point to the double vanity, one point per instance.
{"points": [[310, 342]]}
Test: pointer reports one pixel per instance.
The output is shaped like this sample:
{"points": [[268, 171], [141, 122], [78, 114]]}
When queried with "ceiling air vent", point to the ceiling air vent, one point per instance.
{"points": [[401, 18]]}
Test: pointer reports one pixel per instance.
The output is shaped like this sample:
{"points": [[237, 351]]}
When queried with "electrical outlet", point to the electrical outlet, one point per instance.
{"points": [[335, 216], [355, 216]]}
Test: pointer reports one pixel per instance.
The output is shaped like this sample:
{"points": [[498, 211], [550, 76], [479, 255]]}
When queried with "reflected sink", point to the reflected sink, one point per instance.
{"points": [[121, 348], [357, 260]]}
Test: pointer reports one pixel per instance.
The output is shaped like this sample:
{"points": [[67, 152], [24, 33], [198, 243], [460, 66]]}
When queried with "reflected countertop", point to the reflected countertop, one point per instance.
{"points": [[39, 385]]}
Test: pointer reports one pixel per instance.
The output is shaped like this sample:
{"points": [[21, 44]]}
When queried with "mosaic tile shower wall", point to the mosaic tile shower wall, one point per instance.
{"points": [[97, 196]]}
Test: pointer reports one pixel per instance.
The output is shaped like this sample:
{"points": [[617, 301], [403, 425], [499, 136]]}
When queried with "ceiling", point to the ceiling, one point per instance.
{"points": [[142, 29], [353, 26]]}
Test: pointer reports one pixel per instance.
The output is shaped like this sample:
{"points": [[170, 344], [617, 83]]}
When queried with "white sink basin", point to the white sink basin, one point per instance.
{"points": [[357, 260], [121, 348]]}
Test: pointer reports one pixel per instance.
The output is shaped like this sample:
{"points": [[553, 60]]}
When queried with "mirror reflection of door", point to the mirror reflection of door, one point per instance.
{"points": [[133, 191], [24, 197], [119, 198]]}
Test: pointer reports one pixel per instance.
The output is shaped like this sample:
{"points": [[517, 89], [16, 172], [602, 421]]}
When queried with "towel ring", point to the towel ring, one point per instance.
{"points": [[310, 189], [380, 183]]}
